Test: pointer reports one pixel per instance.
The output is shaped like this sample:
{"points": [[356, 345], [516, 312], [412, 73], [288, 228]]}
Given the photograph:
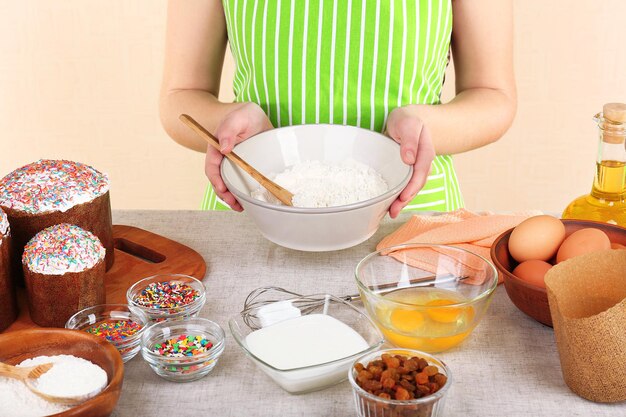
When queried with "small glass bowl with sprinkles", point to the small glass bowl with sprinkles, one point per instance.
{"points": [[167, 296], [183, 350], [120, 324]]}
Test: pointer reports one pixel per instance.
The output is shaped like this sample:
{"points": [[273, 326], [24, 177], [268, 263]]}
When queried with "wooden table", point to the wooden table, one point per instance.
{"points": [[508, 367]]}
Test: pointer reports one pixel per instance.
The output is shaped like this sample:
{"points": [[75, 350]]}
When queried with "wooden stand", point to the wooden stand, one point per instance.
{"points": [[138, 254]]}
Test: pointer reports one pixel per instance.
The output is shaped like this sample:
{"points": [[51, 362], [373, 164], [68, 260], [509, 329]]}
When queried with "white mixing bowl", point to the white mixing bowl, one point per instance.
{"points": [[317, 229]]}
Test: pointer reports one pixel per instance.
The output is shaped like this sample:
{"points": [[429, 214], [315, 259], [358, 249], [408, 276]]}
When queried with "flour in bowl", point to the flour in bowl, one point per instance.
{"points": [[317, 184]]}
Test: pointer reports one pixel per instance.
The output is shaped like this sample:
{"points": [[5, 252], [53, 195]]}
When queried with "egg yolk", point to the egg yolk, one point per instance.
{"points": [[427, 344], [445, 315], [407, 321]]}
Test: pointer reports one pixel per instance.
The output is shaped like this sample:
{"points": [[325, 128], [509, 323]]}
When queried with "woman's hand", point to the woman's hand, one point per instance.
{"points": [[416, 148], [237, 126]]}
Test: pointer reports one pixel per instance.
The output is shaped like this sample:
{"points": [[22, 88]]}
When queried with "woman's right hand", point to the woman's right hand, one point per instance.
{"points": [[238, 125]]}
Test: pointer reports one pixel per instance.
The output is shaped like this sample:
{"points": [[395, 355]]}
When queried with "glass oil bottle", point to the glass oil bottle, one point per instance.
{"points": [[607, 200]]}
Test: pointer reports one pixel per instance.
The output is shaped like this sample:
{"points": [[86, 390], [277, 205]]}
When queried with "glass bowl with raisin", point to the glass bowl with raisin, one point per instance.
{"points": [[399, 383]]}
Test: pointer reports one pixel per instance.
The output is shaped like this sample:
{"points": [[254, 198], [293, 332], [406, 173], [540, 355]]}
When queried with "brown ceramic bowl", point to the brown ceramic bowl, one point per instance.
{"points": [[23, 344], [531, 299]]}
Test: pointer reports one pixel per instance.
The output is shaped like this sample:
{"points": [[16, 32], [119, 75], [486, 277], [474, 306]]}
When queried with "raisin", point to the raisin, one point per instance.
{"points": [[421, 378], [389, 383], [391, 362], [421, 362], [407, 385], [431, 370], [411, 365], [372, 385], [364, 376], [440, 379], [359, 367], [434, 387], [402, 370], [375, 370], [424, 389], [384, 395], [402, 394]]}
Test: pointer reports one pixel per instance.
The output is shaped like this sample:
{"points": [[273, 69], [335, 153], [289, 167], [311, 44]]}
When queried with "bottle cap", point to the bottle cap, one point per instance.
{"points": [[614, 114]]}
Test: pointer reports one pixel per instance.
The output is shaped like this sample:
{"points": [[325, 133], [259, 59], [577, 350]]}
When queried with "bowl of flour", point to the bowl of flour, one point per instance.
{"points": [[343, 179], [85, 367]]}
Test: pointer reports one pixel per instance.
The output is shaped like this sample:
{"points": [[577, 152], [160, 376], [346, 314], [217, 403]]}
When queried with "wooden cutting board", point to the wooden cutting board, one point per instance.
{"points": [[138, 254]]}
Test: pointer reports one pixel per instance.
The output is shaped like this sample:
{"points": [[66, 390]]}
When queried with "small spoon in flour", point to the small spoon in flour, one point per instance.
{"points": [[283, 195], [30, 375]]}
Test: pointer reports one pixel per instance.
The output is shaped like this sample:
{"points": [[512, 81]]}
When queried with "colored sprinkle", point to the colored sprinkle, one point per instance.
{"points": [[166, 294], [51, 185], [115, 331], [62, 248], [4, 224], [183, 346]]}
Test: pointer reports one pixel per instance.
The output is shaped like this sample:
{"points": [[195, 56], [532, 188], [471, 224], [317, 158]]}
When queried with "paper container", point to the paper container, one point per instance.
{"points": [[587, 297]]}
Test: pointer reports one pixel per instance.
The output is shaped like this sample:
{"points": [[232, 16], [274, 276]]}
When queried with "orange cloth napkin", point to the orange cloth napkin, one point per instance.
{"points": [[461, 228]]}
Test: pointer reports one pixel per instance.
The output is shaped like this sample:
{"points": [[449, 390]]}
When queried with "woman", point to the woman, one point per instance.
{"points": [[377, 64]]}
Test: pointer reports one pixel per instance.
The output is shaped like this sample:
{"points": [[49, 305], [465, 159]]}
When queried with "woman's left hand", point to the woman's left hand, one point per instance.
{"points": [[416, 148]]}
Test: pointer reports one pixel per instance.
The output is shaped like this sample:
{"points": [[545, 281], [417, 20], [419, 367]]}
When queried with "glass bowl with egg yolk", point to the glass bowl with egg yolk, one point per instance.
{"points": [[426, 297]]}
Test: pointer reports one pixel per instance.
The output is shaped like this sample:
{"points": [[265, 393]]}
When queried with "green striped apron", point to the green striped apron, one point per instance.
{"points": [[346, 62]]}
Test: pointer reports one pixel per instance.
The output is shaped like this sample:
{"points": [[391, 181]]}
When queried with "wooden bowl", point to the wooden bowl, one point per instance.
{"points": [[531, 299], [23, 344]]}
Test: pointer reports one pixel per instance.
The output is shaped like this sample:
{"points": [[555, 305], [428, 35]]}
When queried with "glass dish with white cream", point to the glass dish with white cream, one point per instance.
{"points": [[305, 347]]}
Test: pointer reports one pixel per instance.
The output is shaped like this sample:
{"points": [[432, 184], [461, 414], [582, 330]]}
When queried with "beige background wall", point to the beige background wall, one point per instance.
{"points": [[79, 79]]}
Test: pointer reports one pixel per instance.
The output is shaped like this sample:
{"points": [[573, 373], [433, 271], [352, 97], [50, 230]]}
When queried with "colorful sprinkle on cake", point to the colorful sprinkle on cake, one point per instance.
{"points": [[51, 185], [4, 224], [62, 248]]}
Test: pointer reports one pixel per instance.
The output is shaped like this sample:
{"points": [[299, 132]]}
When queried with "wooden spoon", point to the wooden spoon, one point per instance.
{"points": [[276, 190], [23, 373], [29, 375]]}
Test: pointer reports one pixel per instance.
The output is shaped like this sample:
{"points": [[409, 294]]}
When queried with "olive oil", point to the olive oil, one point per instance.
{"points": [[607, 200]]}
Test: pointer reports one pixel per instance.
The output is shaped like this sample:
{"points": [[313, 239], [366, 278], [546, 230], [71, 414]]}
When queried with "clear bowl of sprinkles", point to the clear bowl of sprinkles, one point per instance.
{"points": [[167, 296], [120, 324], [183, 350]]}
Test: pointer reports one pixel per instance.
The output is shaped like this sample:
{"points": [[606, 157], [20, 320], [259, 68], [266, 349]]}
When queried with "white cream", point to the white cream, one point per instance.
{"points": [[308, 340], [304, 341], [4, 224]]}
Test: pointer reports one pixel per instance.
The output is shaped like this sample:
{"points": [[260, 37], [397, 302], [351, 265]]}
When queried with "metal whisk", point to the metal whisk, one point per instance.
{"points": [[265, 296]]}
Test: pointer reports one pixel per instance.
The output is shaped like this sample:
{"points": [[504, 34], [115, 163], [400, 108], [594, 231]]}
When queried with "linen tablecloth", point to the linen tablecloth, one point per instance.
{"points": [[509, 366]]}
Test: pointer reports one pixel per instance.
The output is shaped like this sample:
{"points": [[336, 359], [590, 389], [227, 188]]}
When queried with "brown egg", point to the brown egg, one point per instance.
{"points": [[538, 237], [583, 241], [532, 272], [617, 246]]}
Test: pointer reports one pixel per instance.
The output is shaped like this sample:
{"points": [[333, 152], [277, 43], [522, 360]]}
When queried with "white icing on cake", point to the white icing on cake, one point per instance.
{"points": [[51, 185], [62, 248]]}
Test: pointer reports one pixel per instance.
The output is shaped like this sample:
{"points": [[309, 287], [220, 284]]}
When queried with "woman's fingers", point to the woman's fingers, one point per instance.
{"points": [[212, 170], [395, 208], [406, 130], [229, 199], [416, 148], [240, 124], [237, 126], [229, 131], [421, 167]]}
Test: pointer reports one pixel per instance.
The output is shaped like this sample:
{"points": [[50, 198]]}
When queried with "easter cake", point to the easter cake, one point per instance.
{"points": [[8, 307], [64, 272], [49, 192]]}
